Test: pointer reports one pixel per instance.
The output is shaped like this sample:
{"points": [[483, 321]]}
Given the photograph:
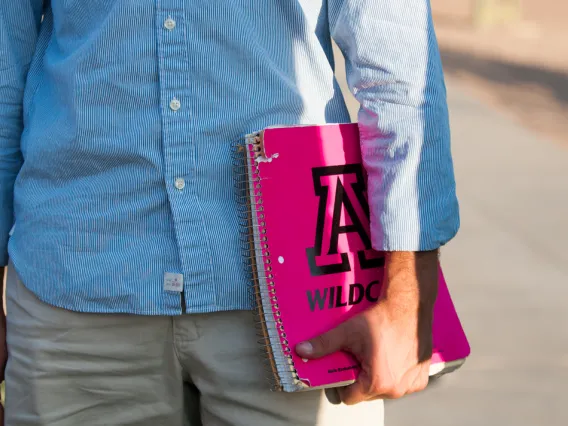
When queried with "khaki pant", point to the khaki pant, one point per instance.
{"points": [[77, 369]]}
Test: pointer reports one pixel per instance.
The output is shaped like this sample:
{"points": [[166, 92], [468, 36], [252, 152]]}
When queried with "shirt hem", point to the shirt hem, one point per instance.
{"points": [[139, 311]]}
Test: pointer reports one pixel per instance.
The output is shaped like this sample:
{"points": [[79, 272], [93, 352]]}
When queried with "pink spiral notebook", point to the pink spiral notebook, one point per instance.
{"points": [[305, 226]]}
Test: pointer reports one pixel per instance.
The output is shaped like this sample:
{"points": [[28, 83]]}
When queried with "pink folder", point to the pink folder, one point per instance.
{"points": [[305, 223]]}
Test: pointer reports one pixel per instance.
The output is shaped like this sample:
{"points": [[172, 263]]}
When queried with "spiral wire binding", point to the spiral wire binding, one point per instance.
{"points": [[276, 353]]}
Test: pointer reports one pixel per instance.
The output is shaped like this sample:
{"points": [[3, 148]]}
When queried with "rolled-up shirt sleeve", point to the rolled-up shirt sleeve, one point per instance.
{"points": [[19, 24], [394, 70]]}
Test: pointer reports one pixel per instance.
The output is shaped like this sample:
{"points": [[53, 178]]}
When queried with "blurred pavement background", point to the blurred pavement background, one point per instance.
{"points": [[507, 79], [506, 64]]}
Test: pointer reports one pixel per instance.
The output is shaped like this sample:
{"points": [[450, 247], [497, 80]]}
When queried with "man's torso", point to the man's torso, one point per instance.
{"points": [[130, 112]]}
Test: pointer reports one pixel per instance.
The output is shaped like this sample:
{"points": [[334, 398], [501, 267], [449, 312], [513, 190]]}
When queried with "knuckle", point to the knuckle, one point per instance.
{"points": [[397, 392], [375, 387], [424, 383], [390, 390], [419, 386], [381, 390], [358, 322], [322, 343], [378, 390]]}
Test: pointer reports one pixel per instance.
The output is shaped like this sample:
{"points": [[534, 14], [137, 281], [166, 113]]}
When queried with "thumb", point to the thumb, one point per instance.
{"points": [[324, 344]]}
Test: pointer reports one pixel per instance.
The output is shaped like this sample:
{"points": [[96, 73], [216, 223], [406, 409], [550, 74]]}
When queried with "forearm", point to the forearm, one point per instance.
{"points": [[409, 294], [411, 280]]}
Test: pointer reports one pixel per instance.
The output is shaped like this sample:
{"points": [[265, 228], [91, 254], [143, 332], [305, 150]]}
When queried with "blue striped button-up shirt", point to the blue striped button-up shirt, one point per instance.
{"points": [[117, 118]]}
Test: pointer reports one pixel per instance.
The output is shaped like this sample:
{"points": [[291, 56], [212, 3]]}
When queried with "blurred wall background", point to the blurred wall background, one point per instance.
{"points": [[511, 53]]}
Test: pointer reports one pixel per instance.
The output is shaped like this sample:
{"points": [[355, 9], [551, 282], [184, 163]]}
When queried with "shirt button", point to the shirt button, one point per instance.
{"points": [[179, 183], [175, 104], [169, 24]]}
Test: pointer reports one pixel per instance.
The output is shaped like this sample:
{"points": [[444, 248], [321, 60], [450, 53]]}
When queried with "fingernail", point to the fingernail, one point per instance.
{"points": [[305, 348]]}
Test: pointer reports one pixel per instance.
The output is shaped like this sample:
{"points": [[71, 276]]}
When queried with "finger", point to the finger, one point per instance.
{"points": [[353, 394], [417, 379], [412, 381], [368, 390], [325, 344]]}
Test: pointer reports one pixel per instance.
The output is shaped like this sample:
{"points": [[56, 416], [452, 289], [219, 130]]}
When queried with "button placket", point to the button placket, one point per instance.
{"points": [[177, 142]]}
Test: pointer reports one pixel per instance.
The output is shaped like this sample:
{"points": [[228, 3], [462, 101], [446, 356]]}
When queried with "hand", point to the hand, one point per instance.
{"points": [[392, 341]]}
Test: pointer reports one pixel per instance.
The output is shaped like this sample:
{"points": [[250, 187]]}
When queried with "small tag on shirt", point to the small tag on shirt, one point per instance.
{"points": [[173, 282]]}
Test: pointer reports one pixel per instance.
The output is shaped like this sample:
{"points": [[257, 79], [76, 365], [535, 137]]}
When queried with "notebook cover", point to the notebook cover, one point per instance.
{"points": [[316, 221]]}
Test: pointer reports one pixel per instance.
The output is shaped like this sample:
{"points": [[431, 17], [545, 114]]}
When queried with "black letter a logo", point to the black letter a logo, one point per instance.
{"points": [[348, 202]]}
